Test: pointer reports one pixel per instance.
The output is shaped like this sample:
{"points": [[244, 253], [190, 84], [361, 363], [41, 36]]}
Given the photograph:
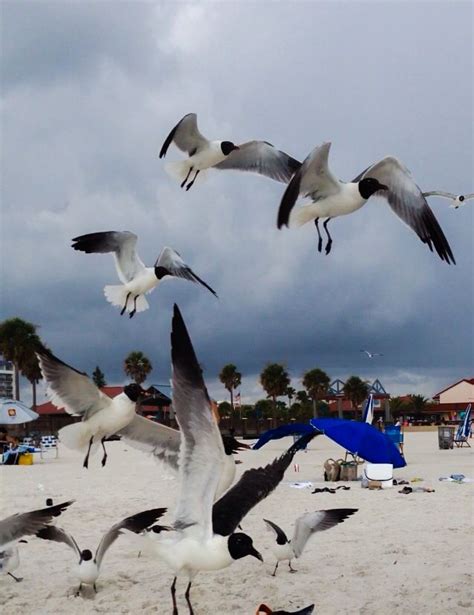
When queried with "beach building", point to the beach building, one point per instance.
{"points": [[7, 379], [451, 401]]}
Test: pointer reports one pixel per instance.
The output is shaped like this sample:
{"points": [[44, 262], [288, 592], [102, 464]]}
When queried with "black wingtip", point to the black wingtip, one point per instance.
{"points": [[141, 521], [56, 510], [183, 357], [288, 200]]}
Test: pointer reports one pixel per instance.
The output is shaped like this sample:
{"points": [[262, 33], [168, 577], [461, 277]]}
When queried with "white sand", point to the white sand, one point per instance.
{"points": [[398, 554]]}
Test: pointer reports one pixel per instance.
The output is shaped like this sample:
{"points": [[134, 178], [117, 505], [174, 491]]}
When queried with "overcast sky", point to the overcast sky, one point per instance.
{"points": [[91, 90]]}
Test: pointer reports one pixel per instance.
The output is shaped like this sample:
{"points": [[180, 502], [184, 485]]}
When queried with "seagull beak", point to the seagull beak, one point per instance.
{"points": [[256, 554], [236, 147], [383, 187]]}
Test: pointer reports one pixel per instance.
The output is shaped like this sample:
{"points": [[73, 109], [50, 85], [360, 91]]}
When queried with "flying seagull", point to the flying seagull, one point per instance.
{"points": [[89, 566], [254, 156], [371, 355], [13, 528], [78, 395], [263, 609], [205, 536], [306, 525], [458, 200], [137, 280], [330, 197]]}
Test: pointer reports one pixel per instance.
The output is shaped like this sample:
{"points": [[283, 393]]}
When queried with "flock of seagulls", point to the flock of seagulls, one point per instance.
{"points": [[205, 531]]}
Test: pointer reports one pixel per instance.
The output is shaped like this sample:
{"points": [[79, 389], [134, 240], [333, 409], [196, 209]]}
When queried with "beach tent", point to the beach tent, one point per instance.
{"points": [[15, 413], [292, 429], [464, 430]]}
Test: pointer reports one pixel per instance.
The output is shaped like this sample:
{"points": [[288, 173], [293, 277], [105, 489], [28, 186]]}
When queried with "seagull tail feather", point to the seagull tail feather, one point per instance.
{"points": [[117, 295], [75, 436], [301, 215]]}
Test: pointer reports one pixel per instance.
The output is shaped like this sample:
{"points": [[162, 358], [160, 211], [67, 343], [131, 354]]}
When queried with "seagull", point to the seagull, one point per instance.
{"points": [[263, 609], [89, 566], [330, 197], [78, 395], [22, 524], [371, 355], [137, 280], [306, 525], [205, 536], [255, 156], [458, 199]]}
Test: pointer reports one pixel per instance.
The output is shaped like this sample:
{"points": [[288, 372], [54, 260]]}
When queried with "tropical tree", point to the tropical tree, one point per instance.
{"points": [[316, 382], [290, 393], [302, 397], [356, 390], [98, 377], [231, 379], [397, 406], [418, 403], [31, 371], [137, 366], [275, 380]]}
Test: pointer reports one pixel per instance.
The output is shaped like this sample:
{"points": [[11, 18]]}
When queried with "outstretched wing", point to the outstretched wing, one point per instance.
{"points": [[70, 389], [316, 522], [22, 524], [170, 263], [253, 486], [57, 534], [280, 535], [121, 243], [262, 158], [407, 201], [186, 136]]}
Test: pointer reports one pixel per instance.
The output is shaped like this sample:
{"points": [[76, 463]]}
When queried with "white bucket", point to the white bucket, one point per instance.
{"points": [[380, 471]]}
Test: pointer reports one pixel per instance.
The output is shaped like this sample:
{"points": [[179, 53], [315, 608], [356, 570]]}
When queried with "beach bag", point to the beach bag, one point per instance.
{"points": [[348, 470], [332, 470]]}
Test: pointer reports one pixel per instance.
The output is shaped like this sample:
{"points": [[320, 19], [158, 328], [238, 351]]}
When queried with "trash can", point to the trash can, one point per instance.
{"points": [[446, 436]]}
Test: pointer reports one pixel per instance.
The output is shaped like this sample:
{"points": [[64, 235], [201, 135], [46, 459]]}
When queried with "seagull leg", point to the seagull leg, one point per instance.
{"points": [[173, 596], [187, 177], [78, 593], [133, 312], [95, 588], [190, 185], [86, 458], [125, 306], [104, 458], [17, 579], [276, 568], [186, 595], [290, 567], [320, 239], [329, 243]]}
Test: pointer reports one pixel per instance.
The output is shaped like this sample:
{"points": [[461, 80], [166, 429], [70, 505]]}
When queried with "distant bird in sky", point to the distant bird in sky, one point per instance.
{"points": [[305, 526], [263, 609], [89, 565], [458, 200], [13, 528], [137, 280], [254, 156], [371, 355], [78, 395], [330, 197]]}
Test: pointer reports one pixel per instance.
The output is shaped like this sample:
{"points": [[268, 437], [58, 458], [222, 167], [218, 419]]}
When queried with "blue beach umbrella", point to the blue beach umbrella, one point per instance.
{"points": [[14, 413], [292, 429]]}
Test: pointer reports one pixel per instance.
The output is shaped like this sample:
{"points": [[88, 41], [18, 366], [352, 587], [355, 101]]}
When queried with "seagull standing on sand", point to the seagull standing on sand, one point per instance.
{"points": [[254, 156], [137, 280], [23, 524], [305, 526], [330, 198], [371, 355], [88, 569], [78, 395], [204, 536], [458, 200]]}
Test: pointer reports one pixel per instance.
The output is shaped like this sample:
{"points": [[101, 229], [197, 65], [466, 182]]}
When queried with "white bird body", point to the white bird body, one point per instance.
{"points": [[344, 202], [282, 552], [9, 558], [87, 572], [205, 158], [190, 554]]}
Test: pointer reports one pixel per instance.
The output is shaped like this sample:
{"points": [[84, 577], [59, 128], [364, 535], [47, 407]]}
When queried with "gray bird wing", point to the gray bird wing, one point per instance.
{"points": [[57, 534], [136, 523], [170, 263], [313, 179], [186, 136], [161, 441], [70, 389], [21, 524], [407, 201], [317, 521], [262, 158], [121, 243]]}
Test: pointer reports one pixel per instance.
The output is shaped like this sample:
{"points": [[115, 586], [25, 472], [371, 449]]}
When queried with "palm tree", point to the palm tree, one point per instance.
{"points": [[316, 382], [231, 379], [418, 403], [356, 390], [397, 406], [98, 377], [275, 380], [137, 366], [290, 393], [32, 372]]}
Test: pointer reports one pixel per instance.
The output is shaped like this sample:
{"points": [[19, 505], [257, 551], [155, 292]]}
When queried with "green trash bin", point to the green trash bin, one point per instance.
{"points": [[446, 436]]}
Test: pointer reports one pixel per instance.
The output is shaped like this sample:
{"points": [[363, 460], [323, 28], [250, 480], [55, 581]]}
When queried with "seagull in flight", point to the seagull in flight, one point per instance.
{"points": [[13, 528], [89, 565], [263, 609], [254, 156], [458, 200], [330, 197], [371, 355], [78, 395], [137, 280], [305, 526], [205, 536]]}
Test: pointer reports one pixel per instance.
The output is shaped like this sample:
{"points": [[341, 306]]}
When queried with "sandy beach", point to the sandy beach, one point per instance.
{"points": [[398, 554]]}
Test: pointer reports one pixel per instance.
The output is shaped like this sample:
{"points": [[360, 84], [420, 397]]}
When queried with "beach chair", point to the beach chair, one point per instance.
{"points": [[464, 429], [394, 432], [460, 439]]}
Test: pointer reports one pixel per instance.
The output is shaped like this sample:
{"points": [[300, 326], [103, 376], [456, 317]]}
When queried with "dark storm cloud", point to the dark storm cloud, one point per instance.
{"points": [[91, 91]]}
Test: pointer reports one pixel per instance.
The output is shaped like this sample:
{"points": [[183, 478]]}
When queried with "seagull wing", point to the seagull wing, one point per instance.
{"points": [[56, 534], [306, 611], [407, 201], [262, 158], [121, 243], [280, 535], [313, 179], [70, 389], [186, 136], [21, 524], [201, 456], [308, 524], [253, 486], [136, 523], [170, 263], [159, 440]]}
